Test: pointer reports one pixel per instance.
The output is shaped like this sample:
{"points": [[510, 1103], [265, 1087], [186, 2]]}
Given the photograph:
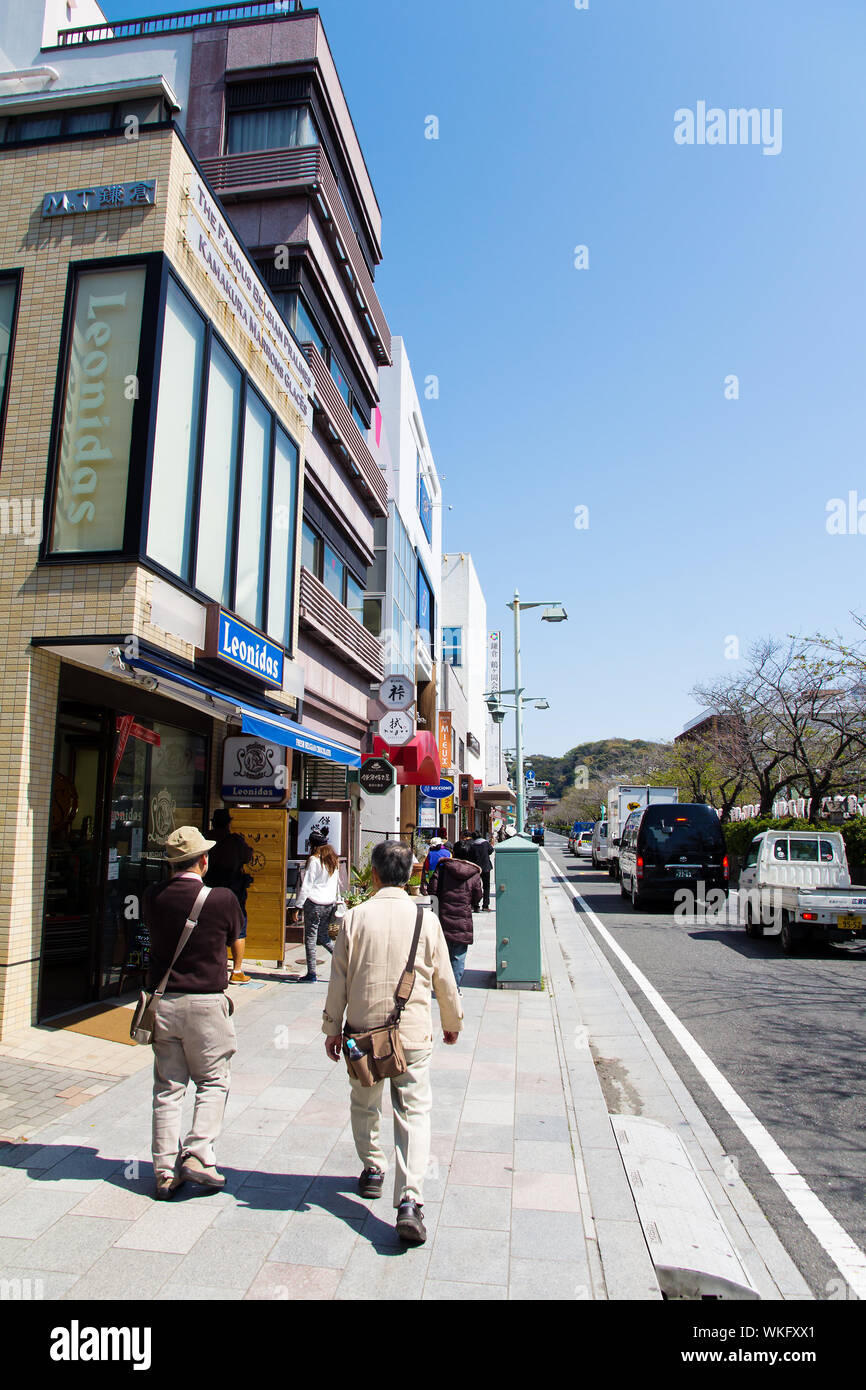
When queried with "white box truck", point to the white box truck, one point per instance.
{"points": [[621, 801], [795, 884]]}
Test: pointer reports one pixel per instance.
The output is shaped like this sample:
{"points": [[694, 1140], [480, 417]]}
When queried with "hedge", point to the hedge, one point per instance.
{"points": [[740, 834]]}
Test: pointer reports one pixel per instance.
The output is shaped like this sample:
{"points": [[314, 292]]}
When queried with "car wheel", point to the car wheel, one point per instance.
{"points": [[753, 928], [790, 942]]}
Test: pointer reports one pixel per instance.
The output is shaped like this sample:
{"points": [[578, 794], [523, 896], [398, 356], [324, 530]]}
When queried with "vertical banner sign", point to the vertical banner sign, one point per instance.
{"points": [[266, 832], [101, 391], [494, 669], [445, 743]]}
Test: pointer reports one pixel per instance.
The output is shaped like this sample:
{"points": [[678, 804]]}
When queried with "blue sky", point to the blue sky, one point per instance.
{"points": [[605, 387]]}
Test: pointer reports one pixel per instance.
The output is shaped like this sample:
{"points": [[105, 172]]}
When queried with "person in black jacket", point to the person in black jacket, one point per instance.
{"points": [[481, 854], [456, 883]]}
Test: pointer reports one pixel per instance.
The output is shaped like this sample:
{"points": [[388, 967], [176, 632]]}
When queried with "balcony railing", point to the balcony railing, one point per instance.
{"points": [[240, 175], [335, 627], [345, 436], [177, 23]]}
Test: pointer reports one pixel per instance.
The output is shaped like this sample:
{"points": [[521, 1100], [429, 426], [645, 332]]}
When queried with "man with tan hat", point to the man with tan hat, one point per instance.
{"points": [[193, 1037]]}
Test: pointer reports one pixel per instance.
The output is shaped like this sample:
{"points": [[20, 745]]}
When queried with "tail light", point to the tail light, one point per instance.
{"points": [[809, 916], [639, 867], [726, 868]]}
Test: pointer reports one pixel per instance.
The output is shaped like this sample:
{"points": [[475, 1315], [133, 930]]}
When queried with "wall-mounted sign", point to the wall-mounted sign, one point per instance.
{"points": [[241, 289], [445, 738], [446, 807], [228, 639], [100, 394], [473, 745], [254, 770], [397, 692], [328, 823], [396, 728], [440, 793], [100, 198], [425, 508], [467, 791], [377, 776], [494, 666], [428, 815]]}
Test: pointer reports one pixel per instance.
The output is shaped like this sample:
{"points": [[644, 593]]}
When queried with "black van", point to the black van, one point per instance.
{"points": [[666, 847]]}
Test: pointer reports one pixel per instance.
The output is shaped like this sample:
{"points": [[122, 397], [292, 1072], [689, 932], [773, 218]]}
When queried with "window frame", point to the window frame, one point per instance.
{"points": [[118, 110], [260, 108], [12, 277]]}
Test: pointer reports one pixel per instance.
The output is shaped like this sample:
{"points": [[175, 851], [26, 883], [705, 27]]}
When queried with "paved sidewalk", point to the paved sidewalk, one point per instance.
{"points": [[503, 1205]]}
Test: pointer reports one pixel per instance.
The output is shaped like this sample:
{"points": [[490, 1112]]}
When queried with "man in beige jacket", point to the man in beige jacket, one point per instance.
{"points": [[370, 955]]}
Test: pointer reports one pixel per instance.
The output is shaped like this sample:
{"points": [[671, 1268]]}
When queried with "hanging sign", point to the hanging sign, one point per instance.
{"points": [[377, 776], [397, 692], [396, 728], [440, 793]]}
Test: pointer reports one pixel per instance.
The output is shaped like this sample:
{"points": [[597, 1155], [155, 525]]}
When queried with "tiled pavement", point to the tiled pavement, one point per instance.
{"points": [[502, 1199], [32, 1094]]}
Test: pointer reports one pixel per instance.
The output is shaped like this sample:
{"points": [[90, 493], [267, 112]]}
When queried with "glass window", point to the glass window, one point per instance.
{"points": [[803, 851], [355, 599], [219, 477], [282, 540], [373, 616], [286, 128], [376, 574], [304, 327], [148, 111], [340, 378], [8, 290], [333, 573], [452, 645], [95, 118], [310, 549], [826, 851], [362, 420], [37, 127], [252, 523], [93, 463], [172, 486], [780, 849], [752, 857], [425, 608]]}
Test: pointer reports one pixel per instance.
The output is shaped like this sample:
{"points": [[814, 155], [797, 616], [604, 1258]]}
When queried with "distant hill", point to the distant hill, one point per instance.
{"points": [[609, 760]]}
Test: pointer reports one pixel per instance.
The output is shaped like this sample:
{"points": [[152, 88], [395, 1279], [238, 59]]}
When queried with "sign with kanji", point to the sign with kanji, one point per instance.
{"points": [[445, 738], [396, 728], [141, 193], [377, 776], [397, 692]]}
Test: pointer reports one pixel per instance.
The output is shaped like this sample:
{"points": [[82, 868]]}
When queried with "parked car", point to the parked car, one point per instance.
{"points": [[600, 848], [583, 845], [795, 884], [672, 846]]}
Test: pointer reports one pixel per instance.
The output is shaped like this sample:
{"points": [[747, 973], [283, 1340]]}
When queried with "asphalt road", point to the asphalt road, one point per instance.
{"points": [[788, 1033]]}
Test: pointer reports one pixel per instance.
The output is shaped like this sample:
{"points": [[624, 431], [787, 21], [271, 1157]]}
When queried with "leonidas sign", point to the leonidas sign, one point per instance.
{"points": [[254, 771], [101, 389], [238, 284], [228, 639]]}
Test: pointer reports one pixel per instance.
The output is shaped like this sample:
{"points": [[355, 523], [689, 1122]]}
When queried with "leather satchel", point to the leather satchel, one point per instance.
{"points": [[377, 1054], [144, 1015]]}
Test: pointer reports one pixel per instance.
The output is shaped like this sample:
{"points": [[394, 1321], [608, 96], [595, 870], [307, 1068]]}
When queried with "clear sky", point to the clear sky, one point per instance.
{"points": [[604, 387]]}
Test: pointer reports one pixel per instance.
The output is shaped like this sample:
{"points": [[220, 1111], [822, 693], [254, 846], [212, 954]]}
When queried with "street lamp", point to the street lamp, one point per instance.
{"points": [[553, 613]]}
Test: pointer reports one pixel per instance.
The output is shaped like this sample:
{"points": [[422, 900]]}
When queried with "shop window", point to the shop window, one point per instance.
{"points": [[97, 414], [219, 478], [282, 566], [253, 518], [172, 489]]}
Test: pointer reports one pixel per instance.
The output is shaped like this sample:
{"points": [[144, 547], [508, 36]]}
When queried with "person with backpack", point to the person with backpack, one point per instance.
{"points": [[226, 870], [480, 853], [439, 849]]}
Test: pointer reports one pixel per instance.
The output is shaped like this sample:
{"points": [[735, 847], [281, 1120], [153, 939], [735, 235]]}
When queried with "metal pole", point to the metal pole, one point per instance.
{"points": [[518, 718]]}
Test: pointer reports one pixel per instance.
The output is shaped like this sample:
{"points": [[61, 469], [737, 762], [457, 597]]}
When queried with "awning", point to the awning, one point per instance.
{"points": [[255, 719], [417, 762], [495, 796]]}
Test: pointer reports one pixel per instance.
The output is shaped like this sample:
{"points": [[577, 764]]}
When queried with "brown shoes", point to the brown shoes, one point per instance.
{"points": [[193, 1170], [410, 1222], [237, 977]]}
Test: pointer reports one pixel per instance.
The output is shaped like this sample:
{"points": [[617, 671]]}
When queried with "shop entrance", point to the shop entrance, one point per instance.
{"points": [[122, 783]]}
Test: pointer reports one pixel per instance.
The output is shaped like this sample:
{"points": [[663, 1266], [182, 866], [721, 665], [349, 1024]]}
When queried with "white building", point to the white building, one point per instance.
{"points": [[403, 597]]}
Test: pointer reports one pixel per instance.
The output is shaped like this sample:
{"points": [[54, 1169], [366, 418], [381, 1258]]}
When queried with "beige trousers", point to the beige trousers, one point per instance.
{"points": [[412, 1100], [193, 1040]]}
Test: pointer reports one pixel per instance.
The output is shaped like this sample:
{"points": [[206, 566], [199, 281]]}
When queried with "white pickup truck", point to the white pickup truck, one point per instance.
{"points": [[795, 884]]}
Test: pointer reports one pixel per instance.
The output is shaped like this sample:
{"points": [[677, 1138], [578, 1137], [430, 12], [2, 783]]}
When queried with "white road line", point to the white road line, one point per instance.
{"points": [[830, 1235]]}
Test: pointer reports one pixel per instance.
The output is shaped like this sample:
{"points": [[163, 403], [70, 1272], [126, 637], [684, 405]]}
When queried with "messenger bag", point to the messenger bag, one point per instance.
{"points": [[380, 1050], [144, 1016]]}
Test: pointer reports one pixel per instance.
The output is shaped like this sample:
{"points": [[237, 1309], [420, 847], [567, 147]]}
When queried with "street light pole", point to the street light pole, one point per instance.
{"points": [[518, 719]]}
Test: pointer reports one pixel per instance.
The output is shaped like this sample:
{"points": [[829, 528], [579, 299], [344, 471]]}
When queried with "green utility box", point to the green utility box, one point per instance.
{"points": [[518, 915]]}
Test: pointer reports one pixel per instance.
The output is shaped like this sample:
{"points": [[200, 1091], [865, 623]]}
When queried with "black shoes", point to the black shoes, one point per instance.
{"points": [[370, 1183], [410, 1223]]}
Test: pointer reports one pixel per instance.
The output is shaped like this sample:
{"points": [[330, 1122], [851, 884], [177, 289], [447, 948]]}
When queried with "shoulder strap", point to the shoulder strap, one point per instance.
{"points": [[407, 980], [185, 935]]}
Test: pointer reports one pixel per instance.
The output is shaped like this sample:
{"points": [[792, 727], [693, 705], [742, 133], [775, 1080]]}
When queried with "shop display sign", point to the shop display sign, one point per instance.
{"points": [[428, 816], [328, 823], [377, 776], [100, 395], [254, 770], [242, 290], [228, 639], [396, 728], [397, 692], [100, 198], [440, 793]]}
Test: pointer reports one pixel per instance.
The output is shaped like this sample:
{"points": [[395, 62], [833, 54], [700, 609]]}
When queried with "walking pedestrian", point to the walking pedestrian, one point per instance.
{"points": [[193, 1035], [226, 869], [370, 955], [318, 898], [438, 850], [456, 883], [481, 854]]}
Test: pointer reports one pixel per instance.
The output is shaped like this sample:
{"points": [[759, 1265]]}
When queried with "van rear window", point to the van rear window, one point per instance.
{"points": [[681, 830], [803, 851]]}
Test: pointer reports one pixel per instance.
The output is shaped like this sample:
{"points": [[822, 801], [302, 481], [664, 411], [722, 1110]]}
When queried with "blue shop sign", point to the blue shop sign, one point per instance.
{"points": [[247, 649], [440, 793]]}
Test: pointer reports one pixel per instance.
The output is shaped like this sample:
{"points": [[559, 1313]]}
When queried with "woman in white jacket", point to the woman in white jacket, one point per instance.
{"points": [[318, 898]]}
